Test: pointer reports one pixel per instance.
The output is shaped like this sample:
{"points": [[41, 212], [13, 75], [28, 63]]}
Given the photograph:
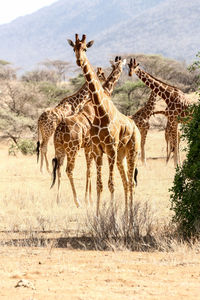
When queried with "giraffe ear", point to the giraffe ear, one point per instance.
{"points": [[112, 63], [89, 44], [71, 43]]}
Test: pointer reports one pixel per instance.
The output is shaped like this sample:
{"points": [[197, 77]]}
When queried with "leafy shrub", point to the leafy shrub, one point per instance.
{"points": [[186, 187], [25, 146], [53, 92]]}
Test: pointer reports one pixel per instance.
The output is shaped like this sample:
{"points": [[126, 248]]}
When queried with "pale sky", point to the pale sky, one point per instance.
{"points": [[12, 9]]}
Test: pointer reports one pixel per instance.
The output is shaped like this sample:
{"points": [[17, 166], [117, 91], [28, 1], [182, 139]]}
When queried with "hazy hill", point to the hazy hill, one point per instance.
{"points": [[167, 27]]}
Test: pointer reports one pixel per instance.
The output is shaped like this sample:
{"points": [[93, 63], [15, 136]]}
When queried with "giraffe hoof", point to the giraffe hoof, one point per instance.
{"points": [[78, 203]]}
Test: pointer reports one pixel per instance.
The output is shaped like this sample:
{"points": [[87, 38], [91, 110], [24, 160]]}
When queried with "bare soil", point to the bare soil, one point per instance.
{"points": [[72, 274]]}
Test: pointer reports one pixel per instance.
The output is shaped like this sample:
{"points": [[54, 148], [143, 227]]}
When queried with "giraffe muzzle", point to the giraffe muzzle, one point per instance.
{"points": [[78, 62]]}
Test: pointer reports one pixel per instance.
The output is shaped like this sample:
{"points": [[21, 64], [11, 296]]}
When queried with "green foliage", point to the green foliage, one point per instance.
{"points": [[53, 92], [196, 67], [130, 96], [185, 197], [25, 146], [77, 82]]}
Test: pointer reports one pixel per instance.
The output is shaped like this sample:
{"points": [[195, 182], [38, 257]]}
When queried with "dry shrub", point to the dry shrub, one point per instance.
{"points": [[141, 231], [158, 122]]}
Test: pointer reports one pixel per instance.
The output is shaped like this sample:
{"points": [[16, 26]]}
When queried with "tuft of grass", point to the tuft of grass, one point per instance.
{"points": [[139, 231]]}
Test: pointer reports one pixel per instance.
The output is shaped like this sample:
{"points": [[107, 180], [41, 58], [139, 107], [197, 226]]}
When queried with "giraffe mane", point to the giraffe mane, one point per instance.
{"points": [[175, 87]]}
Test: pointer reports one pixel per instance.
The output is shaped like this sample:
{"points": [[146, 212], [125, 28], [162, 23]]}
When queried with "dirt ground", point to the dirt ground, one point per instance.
{"points": [[75, 275], [27, 203]]}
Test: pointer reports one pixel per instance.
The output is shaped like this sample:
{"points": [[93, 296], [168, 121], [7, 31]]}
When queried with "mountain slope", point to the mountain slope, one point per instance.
{"points": [[167, 27]]}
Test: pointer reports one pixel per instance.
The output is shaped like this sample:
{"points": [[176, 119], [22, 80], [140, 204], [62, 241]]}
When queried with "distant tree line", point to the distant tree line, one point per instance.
{"points": [[24, 97]]}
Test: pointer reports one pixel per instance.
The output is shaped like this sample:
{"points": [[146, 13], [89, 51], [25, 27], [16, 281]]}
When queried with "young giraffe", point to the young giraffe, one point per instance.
{"points": [[141, 119], [177, 105], [51, 117], [111, 132], [74, 133]]}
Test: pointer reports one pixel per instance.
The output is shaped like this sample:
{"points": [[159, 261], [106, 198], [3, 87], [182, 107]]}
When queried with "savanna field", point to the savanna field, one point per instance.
{"points": [[41, 241], [51, 250], [147, 61]]}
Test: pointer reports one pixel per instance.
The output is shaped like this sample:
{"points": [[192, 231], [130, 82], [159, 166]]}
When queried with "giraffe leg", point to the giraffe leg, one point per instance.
{"points": [[111, 161], [143, 140], [98, 157], [88, 157], [131, 163], [176, 147], [120, 165], [44, 155], [167, 145], [69, 171], [60, 163]]}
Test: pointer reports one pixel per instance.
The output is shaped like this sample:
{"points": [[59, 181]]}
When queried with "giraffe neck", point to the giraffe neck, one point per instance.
{"points": [[76, 98], [160, 88], [112, 80], [94, 85], [151, 101]]}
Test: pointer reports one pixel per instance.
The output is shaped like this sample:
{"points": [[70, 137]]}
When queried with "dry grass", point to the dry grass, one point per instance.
{"points": [[28, 205], [25, 192]]}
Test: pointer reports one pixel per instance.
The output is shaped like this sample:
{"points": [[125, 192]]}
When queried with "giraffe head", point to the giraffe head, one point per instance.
{"points": [[80, 47], [100, 74], [117, 63], [132, 66]]}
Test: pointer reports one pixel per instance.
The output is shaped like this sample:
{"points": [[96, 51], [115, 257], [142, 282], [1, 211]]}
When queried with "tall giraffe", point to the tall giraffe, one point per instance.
{"points": [[141, 119], [177, 104], [111, 133], [74, 133], [51, 117]]}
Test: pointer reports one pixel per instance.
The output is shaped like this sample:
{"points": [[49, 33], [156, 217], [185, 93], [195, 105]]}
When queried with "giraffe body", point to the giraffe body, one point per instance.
{"points": [[50, 119], [73, 133], [111, 133], [141, 119], [177, 104]]}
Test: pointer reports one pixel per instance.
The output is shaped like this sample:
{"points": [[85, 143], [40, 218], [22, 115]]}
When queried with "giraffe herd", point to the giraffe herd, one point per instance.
{"points": [[90, 120]]}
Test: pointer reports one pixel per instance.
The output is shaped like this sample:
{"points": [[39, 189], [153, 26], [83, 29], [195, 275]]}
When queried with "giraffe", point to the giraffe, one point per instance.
{"points": [[141, 119], [170, 137], [177, 104], [51, 117], [111, 132], [73, 133]]}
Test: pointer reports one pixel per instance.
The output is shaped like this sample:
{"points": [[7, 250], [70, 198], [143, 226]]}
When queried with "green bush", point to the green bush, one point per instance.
{"points": [[25, 146], [185, 197]]}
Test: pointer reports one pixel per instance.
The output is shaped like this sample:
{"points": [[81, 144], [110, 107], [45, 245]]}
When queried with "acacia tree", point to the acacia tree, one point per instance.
{"points": [[59, 66], [6, 71], [185, 196], [129, 96]]}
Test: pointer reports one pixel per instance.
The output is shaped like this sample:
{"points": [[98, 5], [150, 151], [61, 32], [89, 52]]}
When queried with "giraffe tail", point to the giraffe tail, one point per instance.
{"points": [[135, 175], [55, 166], [38, 150], [38, 145]]}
